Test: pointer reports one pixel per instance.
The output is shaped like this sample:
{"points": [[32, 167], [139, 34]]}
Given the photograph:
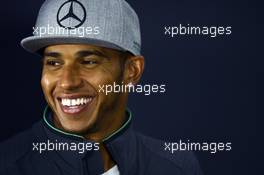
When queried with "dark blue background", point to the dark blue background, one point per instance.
{"points": [[211, 82]]}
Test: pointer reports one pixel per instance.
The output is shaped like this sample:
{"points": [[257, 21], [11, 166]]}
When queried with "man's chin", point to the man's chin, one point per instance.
{"points": [[80, 124]]}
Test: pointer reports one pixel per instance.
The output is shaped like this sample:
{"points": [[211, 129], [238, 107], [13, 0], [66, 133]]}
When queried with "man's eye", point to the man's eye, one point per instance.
{"points": [[52, 63], [89, 62]]}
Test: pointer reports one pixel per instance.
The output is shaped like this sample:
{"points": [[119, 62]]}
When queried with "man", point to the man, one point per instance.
{"points": [[86, 45]]}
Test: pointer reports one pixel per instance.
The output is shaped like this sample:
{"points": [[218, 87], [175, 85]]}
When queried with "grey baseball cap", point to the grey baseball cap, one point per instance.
{"points": [[106, 23]]}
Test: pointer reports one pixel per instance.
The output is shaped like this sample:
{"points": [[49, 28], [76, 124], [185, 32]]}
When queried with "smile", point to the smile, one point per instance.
{"points": [[74, 105]]}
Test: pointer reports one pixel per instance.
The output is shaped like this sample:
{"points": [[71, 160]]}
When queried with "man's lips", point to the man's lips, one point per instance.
{"points": [[74, 104]]}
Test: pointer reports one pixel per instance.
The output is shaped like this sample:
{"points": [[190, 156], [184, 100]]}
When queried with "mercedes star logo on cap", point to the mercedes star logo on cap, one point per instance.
{"points": [[67, 17], [104, 23]]}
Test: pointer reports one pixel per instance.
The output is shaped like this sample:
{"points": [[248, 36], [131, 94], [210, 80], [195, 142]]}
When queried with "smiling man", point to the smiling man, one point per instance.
{"points": [[85, 45], [72, 75]]}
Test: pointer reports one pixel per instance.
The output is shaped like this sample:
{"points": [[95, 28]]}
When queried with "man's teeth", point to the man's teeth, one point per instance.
{"points": [[75, 102]]}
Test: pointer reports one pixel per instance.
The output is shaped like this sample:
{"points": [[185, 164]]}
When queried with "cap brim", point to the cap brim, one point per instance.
{"points": [[33, 44]]}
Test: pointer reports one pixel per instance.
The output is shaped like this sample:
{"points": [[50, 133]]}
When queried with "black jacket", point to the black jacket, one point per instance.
{"points": [[134, 153]]}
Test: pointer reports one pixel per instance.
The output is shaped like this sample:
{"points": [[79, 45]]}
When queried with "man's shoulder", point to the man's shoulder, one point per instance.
{"points": [[12, 149], [185, 161]]}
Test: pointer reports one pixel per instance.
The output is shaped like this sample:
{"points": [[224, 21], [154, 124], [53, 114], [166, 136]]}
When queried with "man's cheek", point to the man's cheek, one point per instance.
{"points": [[102, 80], [100, 83], [47, 84]]}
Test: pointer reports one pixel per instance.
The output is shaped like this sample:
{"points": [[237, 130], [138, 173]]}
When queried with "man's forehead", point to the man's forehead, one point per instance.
{"points": [[72, 47], [75, 48], [80, 50]]}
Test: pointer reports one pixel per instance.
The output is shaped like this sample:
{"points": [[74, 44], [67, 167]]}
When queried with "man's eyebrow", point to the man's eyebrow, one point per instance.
{"points": [[85, 53], [51, 54]]}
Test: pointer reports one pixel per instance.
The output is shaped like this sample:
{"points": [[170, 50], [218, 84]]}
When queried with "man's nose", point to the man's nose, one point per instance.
{"points": [[70, 79]]}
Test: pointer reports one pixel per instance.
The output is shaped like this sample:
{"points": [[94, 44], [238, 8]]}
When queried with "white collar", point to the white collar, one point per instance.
{"points": [[113, 171]]}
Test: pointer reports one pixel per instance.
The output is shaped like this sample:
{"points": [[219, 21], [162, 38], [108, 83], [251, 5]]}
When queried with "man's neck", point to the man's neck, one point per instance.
{"points": [[107, 126]]}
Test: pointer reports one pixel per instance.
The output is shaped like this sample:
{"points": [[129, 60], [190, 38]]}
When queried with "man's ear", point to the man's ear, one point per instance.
{"points": [[134, 67]]}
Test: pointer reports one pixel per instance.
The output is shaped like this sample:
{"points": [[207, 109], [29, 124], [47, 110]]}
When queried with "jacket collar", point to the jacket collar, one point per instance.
{"points": [[120, 144], [47, 117]]}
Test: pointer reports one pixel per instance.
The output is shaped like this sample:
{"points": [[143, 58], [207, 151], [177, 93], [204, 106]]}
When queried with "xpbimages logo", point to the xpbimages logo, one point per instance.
{"points": [[80, 147], [79, 32], [213, 147], [185, 30], [146, 89]]}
